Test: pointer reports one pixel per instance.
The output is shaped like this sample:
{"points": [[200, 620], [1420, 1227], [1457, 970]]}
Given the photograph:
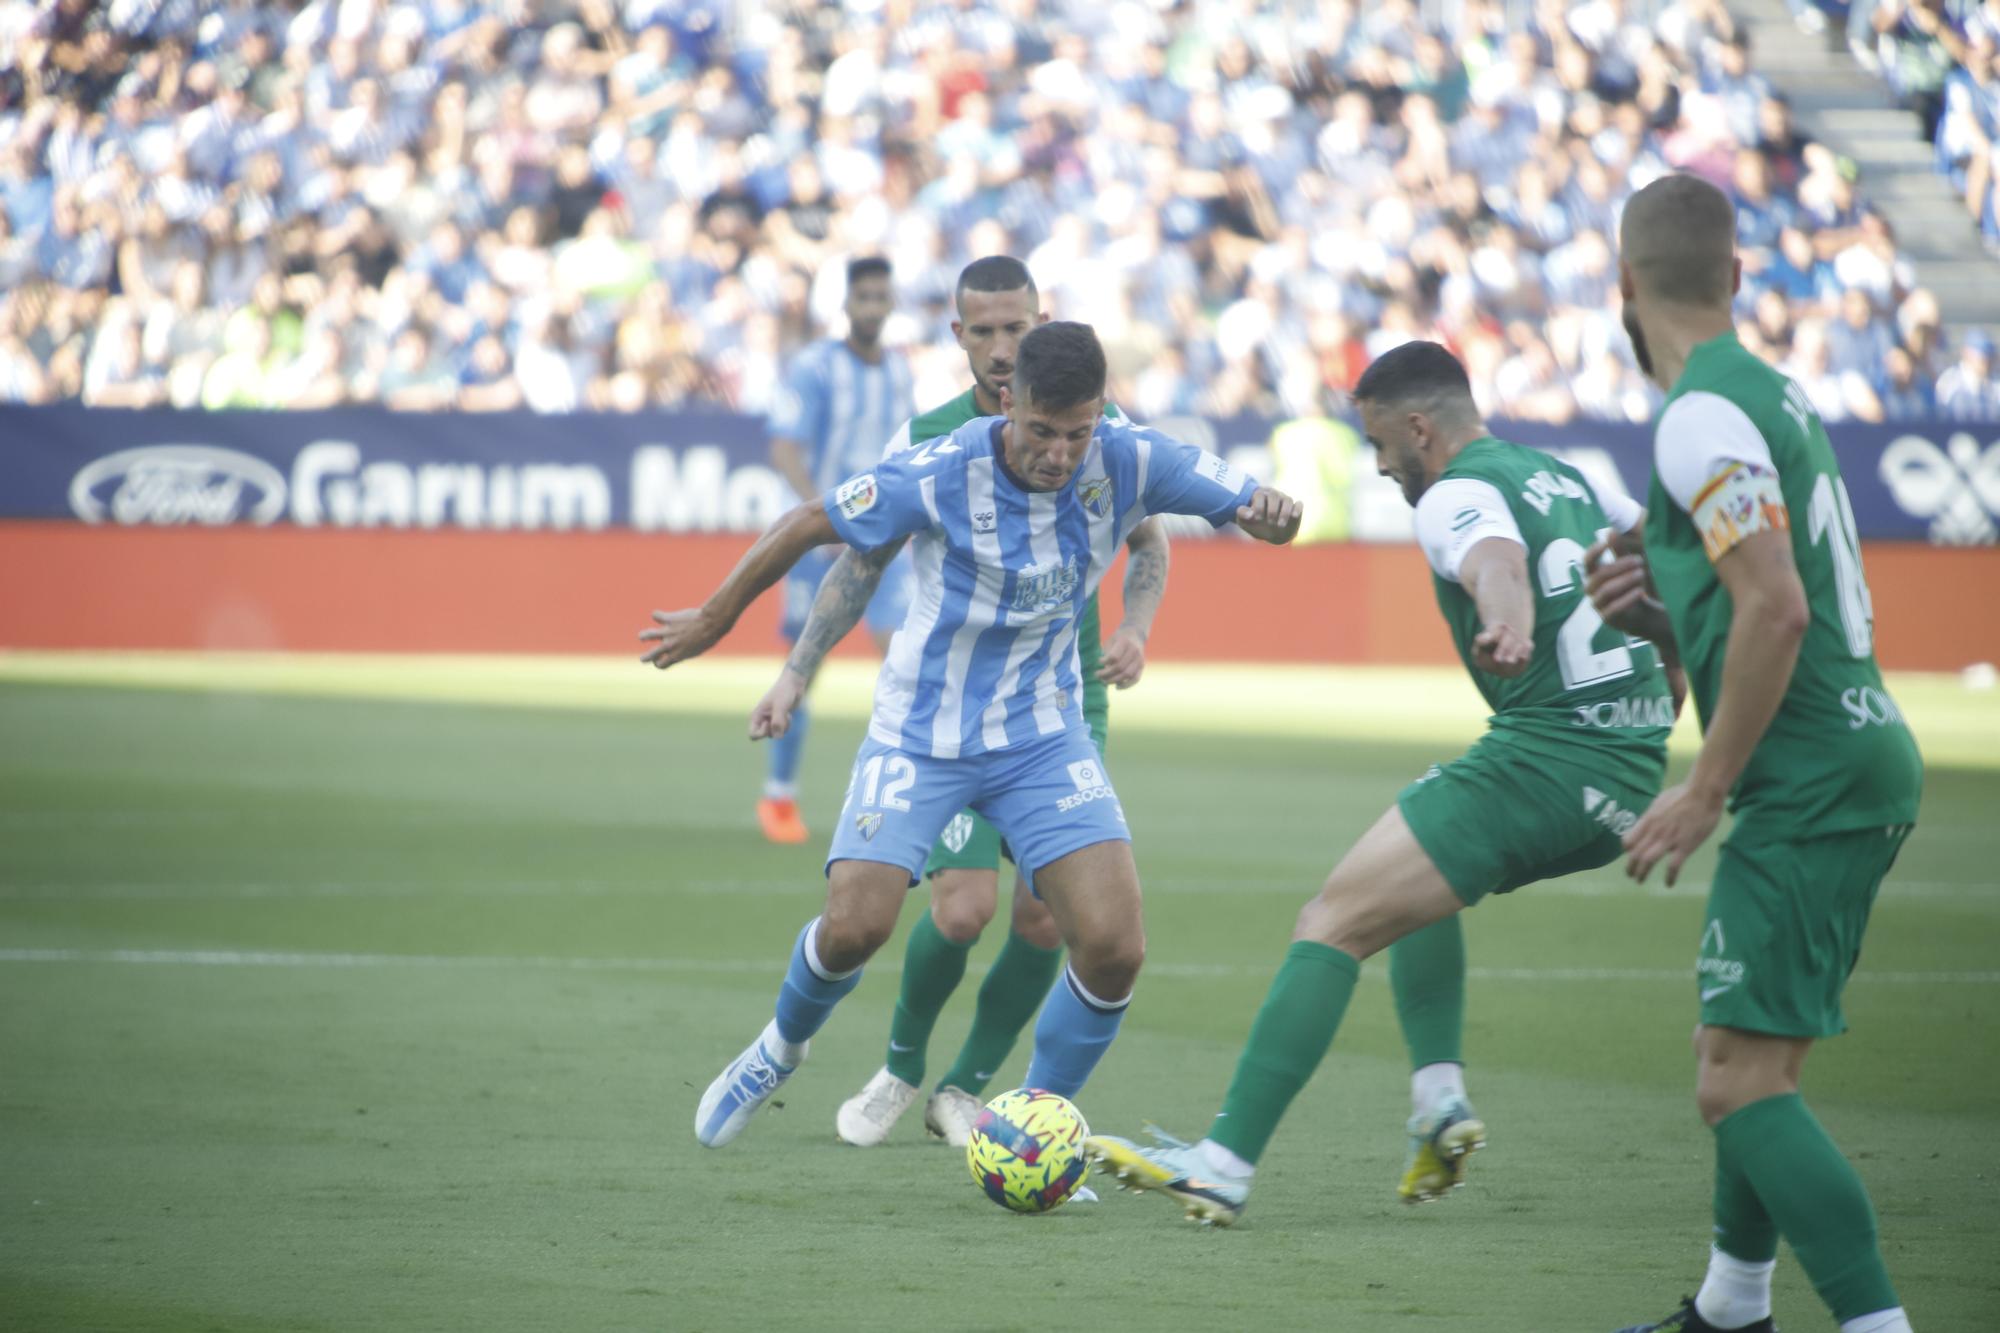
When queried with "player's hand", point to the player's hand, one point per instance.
{"points": [[1621, 587], [1678, 821], [1271, 516], [772, 717], [1502, 650], [681, 635], [1124, 659]]}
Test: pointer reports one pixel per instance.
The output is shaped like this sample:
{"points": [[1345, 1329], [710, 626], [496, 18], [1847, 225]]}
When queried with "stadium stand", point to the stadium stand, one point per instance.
{"points": [[559, 206]]}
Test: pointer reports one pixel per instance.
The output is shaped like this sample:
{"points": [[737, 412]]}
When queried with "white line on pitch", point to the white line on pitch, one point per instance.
{"points": [[775, 965]]}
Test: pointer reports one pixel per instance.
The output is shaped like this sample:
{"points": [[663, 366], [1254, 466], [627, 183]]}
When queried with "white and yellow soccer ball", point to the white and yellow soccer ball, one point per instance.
{"points": [[1026, 1150]]}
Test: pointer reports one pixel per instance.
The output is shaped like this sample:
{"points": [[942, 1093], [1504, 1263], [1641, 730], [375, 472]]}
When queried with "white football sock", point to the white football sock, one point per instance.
{"points": [[1882, 1321], [1436, 1083], [1735, 1292], [786, 1053], [775, 790], [1222, 1162]]}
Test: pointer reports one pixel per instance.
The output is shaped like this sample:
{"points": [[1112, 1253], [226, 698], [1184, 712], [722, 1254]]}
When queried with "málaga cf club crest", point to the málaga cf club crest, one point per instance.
{"points": [[1096, 496]]}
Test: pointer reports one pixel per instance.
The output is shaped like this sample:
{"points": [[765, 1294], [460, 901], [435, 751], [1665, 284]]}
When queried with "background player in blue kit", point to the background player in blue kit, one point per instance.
{"points": [[841, 399], [1013, 522]]}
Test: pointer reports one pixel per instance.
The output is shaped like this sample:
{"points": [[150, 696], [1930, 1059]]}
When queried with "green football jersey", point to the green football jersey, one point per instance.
{"points": [[1585, 678], [948, 417], [1738, 449]]}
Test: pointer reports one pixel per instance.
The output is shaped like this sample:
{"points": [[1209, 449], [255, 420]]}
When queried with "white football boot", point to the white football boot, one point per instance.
{"points": [[951, 1114], [866, 1118], [740, 1089]]}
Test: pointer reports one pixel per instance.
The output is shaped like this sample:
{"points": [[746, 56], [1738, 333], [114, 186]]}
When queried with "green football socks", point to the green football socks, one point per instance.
{"points": [[1011, 994], [1809, 1194], [1289, 1038], [932, 968], [1427, 974]]}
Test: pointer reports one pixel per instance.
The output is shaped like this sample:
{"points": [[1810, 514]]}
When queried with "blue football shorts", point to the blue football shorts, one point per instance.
{"points": [[1048, 799], [887, 609]]}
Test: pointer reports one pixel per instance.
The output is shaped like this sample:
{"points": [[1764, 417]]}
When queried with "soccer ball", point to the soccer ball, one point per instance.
{"points": [[1026, 1150]]}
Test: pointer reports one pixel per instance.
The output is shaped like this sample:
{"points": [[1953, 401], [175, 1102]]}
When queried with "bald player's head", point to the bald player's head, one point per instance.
{"points": [[1677, 243], [1676, 263]]}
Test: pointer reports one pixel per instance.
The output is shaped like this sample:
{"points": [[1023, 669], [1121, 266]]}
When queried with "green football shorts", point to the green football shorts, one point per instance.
{"points": [[1505, 813], [1784, 927], [970, 843]]}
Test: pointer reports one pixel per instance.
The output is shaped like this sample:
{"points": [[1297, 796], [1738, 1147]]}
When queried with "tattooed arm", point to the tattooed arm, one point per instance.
{"points": [[843, 597], [1145, 587]]}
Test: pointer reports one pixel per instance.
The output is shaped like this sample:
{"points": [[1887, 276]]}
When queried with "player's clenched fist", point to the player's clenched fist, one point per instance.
{"points": [[681, 635], [1271, 516]]}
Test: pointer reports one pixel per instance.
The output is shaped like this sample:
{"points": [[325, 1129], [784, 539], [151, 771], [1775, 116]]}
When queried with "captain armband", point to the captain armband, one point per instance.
{"points": [[1740, 499]]}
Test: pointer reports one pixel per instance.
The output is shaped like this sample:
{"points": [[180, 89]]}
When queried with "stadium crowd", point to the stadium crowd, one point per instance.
{"points": [[1938, 57], [617, 204]]}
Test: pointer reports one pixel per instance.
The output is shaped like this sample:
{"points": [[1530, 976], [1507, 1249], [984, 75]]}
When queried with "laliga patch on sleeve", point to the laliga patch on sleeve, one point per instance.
{"points": [[1216, 470], [857, 495], [1740, 499]]}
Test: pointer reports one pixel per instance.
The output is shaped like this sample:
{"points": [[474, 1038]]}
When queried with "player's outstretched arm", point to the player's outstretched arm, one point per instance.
{"points": [[1271, 516], [842, 599], [1495, 574], [1146, 564], [684, 634], [1766, 627]]}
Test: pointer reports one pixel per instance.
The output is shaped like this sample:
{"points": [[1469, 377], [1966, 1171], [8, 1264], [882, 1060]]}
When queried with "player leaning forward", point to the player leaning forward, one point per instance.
{"points": [[1013, 521], [1577, 745], [1751, 547]]}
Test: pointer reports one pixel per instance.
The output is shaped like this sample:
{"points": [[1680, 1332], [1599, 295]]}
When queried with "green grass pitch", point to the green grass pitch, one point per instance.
{"points": [[364, 1014]]}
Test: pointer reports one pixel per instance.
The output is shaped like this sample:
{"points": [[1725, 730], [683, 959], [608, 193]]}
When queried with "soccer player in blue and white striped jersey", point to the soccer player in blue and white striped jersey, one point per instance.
{"points": [[1013, 520], [841, 399]]}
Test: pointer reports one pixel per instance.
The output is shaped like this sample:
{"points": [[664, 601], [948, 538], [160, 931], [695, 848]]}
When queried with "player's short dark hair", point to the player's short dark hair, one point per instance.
{"points": [[1059, 365], [1678, 236], [868, 266], [995, 273], [1420, 374]]}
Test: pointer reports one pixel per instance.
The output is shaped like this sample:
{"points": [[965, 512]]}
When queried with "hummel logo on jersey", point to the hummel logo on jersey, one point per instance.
{"points": [[1095, 495], [857, 495], [985, 521], [867, 824]]}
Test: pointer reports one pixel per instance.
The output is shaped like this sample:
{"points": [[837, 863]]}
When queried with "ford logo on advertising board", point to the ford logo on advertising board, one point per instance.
{"points": [[174, 484]]}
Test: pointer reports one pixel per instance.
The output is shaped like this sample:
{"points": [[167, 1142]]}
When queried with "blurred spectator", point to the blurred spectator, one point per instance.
{"points": [[1967, 391]]}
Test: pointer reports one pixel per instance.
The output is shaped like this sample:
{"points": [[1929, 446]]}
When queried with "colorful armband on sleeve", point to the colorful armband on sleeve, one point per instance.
{"points": [[1740, 499]]}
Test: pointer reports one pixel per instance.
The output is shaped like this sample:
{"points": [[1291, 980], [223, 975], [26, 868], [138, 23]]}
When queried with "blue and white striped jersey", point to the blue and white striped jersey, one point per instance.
{"points": [[988, 655], [841, 408]]}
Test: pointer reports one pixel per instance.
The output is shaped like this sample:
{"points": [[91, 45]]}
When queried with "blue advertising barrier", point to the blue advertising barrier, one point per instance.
{"points": [[710, 471]]}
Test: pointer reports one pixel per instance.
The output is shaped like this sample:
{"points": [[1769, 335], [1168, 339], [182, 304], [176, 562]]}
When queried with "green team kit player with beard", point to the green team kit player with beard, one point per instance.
{"points": [[997, 304], [1576, 748], [1755, 574]]}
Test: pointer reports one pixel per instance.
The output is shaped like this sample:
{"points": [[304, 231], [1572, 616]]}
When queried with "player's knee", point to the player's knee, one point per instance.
{"points": [[850, 935], [961, 905], [1109, 968]]}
